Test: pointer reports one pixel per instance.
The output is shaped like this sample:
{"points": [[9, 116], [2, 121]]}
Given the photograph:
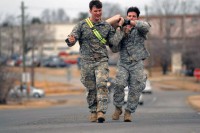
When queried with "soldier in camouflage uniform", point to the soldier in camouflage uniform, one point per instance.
{"points": [[94, 58], [130, 66]]}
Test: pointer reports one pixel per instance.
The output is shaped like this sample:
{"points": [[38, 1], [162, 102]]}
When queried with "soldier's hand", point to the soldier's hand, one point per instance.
{"points": [[121, 21], [133, 23], [71, 38]]}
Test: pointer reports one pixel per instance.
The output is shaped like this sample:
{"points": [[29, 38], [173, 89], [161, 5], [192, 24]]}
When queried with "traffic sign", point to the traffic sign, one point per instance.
{"points": [[197, 73]]}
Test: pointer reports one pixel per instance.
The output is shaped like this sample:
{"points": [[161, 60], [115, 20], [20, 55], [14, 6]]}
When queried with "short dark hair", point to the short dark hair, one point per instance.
{"points": [[95, 3], [134, 9]]}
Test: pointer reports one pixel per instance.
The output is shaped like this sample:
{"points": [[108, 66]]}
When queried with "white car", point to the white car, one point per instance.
{"points": [[148, 88], [126, 96], [22, 92]]}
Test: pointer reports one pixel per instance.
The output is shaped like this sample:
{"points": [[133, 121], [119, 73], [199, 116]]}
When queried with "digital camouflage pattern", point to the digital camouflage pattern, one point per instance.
{"points": [[130, 66], [91, 49], [94, 61], [94, 77]]}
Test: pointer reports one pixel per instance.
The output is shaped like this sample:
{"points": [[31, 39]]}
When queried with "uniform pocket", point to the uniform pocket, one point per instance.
{"points": [[142, 77], [142, 81]]}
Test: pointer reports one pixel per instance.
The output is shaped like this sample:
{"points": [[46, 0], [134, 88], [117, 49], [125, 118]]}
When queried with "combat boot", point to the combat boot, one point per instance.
{"points": [[93, 117], [100, 117], [127, 116], [117, 113]]}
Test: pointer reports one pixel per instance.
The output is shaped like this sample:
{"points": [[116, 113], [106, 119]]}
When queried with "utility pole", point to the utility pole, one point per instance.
{"points": [[25, 75], [0, 41], [12, 39], [148, 45], [183, 26], [23, 37]]}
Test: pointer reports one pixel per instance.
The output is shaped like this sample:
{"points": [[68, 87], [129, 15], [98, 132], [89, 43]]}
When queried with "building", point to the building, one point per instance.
{"points": [[168, 35], [47, 40], [57, 44]]}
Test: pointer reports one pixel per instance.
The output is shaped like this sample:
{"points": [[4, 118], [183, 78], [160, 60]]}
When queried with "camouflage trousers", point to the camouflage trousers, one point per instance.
{"points": [[94, 77], [131, 75]]}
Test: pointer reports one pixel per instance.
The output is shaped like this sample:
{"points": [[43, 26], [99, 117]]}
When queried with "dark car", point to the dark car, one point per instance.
{"points": [[54, 62], [3, 60]]}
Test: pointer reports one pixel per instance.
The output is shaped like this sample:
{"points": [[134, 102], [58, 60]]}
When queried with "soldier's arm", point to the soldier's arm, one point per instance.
{"points": [[74, 35], [114, 39], [114, 48], [115, 35], [142, 26]]}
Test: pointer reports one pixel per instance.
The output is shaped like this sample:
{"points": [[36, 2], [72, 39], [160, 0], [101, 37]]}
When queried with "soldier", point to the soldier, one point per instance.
{"points": [[130, 65], [93, 33]]}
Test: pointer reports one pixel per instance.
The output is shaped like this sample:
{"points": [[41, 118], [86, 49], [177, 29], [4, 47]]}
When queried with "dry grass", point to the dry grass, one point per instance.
{"points": [[185, 83], [58, 88], [39, 104], [179, 82], [195, 102]]}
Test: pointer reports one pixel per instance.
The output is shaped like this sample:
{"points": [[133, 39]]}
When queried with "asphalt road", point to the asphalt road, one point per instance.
{"points": [[162, 112]]}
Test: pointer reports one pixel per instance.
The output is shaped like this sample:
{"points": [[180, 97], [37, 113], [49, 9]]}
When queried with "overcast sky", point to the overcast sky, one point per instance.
{"points": [[72, 7]]}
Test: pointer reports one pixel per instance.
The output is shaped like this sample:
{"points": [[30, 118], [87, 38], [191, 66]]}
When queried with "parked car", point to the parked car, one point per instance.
{"points": [[71, 61], [148, 88], [54, 62], [32, 61], [141, 101], [21, 91], [3, 60]]}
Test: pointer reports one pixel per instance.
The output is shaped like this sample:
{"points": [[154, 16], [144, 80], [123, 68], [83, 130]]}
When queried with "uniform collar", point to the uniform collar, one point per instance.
{"points": [[98, 23]]}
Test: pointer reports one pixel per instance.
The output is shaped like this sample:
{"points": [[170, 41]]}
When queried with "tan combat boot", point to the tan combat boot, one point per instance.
{"points": [[93, 117], [117, 113], [127, 116], [100, 117]]}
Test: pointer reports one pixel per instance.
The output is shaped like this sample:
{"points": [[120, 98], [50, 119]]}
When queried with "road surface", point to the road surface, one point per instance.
{"points": [[162, 112]]}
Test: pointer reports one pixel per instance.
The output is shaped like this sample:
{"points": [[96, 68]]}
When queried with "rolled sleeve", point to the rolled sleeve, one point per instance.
{"points": [[143, 27]]}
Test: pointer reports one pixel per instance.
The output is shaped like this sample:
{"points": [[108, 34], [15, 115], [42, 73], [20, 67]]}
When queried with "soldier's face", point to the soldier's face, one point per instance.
{"points": [[96, 13], [132, 16]]}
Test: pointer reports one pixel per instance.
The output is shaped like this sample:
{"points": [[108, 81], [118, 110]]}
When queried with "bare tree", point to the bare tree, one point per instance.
{"points": [[165, 8], [172, 29], [37, 34], [62, 16], [54, 16], [82, 15], [110, 10], [7, 80], [172, 7], [46, 16], [0, 39], [8, 35], [197, 8]]}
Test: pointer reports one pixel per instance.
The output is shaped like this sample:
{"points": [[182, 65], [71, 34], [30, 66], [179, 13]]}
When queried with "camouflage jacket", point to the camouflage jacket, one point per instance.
{"points": [[91, 49], [132, 46]]}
